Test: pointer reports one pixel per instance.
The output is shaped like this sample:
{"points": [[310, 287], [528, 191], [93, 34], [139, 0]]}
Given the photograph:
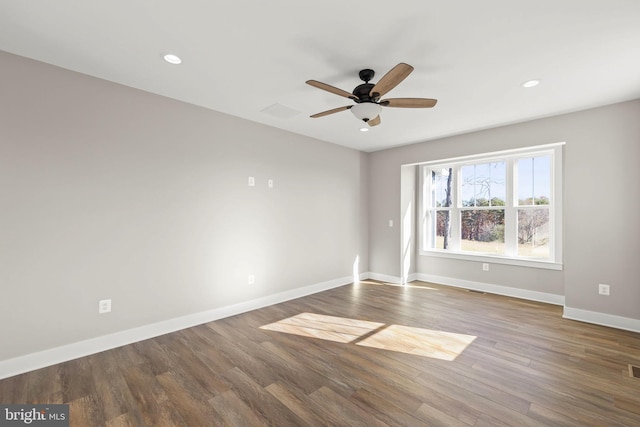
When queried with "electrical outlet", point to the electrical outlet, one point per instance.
{"points": [[270, 183], [251, 279], [485, 266], [252, 181], [104, 306], [390, 223], [603, 289]]}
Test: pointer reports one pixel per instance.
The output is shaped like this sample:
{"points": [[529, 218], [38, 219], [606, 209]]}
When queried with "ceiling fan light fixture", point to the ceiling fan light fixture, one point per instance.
{"points": [[366, 111], [531, 83], [364, 129]]}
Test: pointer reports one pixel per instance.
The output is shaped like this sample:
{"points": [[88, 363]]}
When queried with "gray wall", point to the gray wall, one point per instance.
{"points": [[111, 192], [601, 204]]}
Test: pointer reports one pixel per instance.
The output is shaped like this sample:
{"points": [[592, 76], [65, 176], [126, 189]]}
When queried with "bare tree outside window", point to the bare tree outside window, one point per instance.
{"points": [[483, 193], [447, 202], [534, 188]]}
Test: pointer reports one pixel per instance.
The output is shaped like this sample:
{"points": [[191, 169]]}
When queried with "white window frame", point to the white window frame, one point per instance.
{"points": [[511, 207]]}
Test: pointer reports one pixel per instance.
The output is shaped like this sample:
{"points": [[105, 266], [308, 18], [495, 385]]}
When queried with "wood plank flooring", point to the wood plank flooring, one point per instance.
{"points": [[368, 354]]}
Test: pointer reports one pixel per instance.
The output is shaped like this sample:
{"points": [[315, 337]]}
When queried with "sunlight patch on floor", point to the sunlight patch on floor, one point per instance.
{"points": [[419, 341], [338, 329], [404, 339]]}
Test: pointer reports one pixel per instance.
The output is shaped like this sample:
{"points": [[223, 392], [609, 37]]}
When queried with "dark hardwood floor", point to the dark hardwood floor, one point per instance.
{"points": [[367, 354]]}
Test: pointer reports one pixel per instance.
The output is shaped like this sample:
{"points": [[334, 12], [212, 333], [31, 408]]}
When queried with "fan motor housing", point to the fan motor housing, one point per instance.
{"points": [[362, 92]]}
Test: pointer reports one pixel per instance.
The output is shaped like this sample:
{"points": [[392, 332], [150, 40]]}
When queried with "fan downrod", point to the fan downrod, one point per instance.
{"points": [[362, 91]]}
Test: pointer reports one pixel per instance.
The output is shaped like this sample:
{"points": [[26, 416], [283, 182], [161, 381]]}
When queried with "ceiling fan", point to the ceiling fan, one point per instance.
{"points": [[367, 95]]}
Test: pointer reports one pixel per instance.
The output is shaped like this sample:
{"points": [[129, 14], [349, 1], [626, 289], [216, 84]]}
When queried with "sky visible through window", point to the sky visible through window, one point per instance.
{"points": [[534, 178], [484, 181]]}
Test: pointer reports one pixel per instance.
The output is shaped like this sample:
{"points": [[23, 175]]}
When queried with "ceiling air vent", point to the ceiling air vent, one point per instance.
{"points": [[280, 111]]}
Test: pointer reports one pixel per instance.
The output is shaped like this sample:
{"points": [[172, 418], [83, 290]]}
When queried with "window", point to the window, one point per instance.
{"points": [[503, 205]]}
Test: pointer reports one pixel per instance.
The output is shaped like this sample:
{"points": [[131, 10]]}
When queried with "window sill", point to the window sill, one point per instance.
{"points": [[495, 259]]}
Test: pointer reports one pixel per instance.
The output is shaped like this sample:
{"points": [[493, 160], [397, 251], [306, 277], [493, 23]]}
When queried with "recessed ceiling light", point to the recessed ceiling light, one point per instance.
{"points": [[531, 83], [172, 59], [364, 129]]}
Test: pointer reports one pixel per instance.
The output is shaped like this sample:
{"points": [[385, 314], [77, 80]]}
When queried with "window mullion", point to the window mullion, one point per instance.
{"points": [[510, 211], [455, 208]]}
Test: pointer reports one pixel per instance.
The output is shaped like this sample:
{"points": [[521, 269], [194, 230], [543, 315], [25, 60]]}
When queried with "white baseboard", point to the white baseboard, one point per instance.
{"points": [[468, 284], [593, 317], [602, 319], [41, 359], [396, 280], [493, 289]]}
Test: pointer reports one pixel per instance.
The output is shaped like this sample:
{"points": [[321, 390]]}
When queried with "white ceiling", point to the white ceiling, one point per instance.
{"points": [[242, 57]]}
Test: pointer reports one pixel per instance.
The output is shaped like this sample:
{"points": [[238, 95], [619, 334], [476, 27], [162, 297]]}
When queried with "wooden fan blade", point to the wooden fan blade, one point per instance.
{"points": [[335, 110], [391, 79], [409, 102], [374, 122], [330, 88]]}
